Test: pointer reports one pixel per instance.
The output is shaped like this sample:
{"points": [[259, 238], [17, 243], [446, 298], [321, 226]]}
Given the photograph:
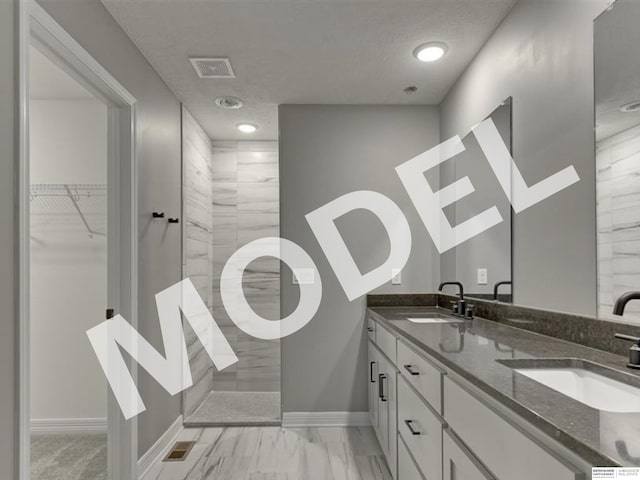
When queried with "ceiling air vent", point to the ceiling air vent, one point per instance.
{"points": [[212, 67]]}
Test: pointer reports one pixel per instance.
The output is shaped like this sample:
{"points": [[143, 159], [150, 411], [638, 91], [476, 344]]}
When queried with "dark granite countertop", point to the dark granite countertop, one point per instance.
{"points": [[472, 350]]}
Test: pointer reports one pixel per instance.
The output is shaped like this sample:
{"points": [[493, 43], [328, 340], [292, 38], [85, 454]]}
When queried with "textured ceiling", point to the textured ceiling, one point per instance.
{"points": [[305, 51]]}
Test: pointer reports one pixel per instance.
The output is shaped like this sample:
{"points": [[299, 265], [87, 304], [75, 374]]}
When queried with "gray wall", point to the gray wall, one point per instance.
{"points": [[542, 55], [492, 248], [325, 152], [8, 252], [159, 180]]}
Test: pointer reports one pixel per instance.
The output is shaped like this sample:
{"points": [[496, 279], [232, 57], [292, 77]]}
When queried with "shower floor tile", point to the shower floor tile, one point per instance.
{"points": [[237, 408]]}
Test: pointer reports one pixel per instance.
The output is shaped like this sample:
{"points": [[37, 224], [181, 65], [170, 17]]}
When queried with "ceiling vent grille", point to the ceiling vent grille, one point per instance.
{"points": [[212, 67]]}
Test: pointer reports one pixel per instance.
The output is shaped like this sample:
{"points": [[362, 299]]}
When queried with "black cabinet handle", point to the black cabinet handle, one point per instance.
{"points": [[410, 369], [409, 424], [369, 329], [381, 377], [371, 379]]}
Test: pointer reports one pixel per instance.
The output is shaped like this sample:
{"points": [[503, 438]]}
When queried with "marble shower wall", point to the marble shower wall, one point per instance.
{"points": [[197, 178], [246, 207], [618, 214]]}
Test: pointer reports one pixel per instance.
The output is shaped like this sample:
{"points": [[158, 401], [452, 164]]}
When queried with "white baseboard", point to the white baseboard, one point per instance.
{"points": [[325, 419], [160, 449], [69, 425]]}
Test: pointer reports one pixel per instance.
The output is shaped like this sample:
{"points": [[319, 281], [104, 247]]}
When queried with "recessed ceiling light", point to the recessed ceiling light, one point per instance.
{"points": [[247, 127], [430, 52], [631, 107], [230, 103]]}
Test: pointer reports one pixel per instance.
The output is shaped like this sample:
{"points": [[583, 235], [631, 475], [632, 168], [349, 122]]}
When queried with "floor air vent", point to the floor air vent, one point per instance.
{"points": [[212, 67], [179, 452]]}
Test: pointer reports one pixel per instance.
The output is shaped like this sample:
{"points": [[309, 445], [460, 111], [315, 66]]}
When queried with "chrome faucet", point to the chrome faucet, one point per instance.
{"points": [[621, 302], [459, 306]]}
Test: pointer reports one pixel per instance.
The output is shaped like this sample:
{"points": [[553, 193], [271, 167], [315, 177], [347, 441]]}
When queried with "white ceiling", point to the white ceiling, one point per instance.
{"points": [[48, 81], [617, 68], [305, 51]]}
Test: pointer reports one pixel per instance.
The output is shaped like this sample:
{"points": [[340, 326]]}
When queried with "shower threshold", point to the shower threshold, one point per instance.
{"points": [[237, 409]]}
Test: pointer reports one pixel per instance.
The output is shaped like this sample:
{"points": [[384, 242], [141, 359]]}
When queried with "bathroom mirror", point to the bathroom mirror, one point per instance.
{"points": [[617, 133], [483, 262]]}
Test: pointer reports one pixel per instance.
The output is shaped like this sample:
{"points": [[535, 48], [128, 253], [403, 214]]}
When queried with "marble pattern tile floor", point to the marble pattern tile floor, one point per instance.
{"points": [[275, 453]]}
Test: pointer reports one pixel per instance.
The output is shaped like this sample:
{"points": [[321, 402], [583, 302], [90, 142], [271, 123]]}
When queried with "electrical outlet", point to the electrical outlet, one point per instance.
{"points": [[396, 276], [303, 276], [482, 276]]}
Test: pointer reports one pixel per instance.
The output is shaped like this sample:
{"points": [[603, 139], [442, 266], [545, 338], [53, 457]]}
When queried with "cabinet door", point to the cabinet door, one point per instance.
{"points": [[421, 431], [392, 420], [387, 411], [458, 464], [511, 454], [383, 405], [407, 469], [372, 381]]}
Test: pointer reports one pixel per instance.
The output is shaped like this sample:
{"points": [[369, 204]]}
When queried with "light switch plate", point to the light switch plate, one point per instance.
{"points": [[396, 276], [303, 276], [482, 276]]}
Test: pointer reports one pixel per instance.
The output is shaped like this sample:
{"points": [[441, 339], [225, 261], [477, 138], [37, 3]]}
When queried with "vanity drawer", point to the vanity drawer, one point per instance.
{"points": [[407, 469], [371, 329], [510, 453], [458, 463], [421, 431], [386, 342], [424, 376]]}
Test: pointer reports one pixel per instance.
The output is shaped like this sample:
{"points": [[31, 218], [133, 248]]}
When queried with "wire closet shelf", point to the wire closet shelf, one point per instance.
{"points": [[85, 201]]}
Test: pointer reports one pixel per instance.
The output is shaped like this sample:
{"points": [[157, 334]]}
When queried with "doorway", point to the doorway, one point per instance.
{"points": [[68, 272], [78, 254]]}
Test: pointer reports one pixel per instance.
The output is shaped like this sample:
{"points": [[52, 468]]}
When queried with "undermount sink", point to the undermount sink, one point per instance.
{"points": [[433, 319], [583, 381]]}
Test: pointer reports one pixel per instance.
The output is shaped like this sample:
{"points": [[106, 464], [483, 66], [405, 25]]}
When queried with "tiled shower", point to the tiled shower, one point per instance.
{"points": [[231, 197], [618, 197]]}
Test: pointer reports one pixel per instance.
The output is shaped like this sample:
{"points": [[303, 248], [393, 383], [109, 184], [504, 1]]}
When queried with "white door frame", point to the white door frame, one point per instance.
{"points": [[38, 28]]}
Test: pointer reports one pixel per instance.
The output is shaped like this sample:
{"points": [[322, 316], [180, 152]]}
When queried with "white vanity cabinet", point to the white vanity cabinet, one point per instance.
{"points": [[387, 411], [434, 425], [511, 453], [382, 380], [373, 385], [421, 430], [458, 463]]}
